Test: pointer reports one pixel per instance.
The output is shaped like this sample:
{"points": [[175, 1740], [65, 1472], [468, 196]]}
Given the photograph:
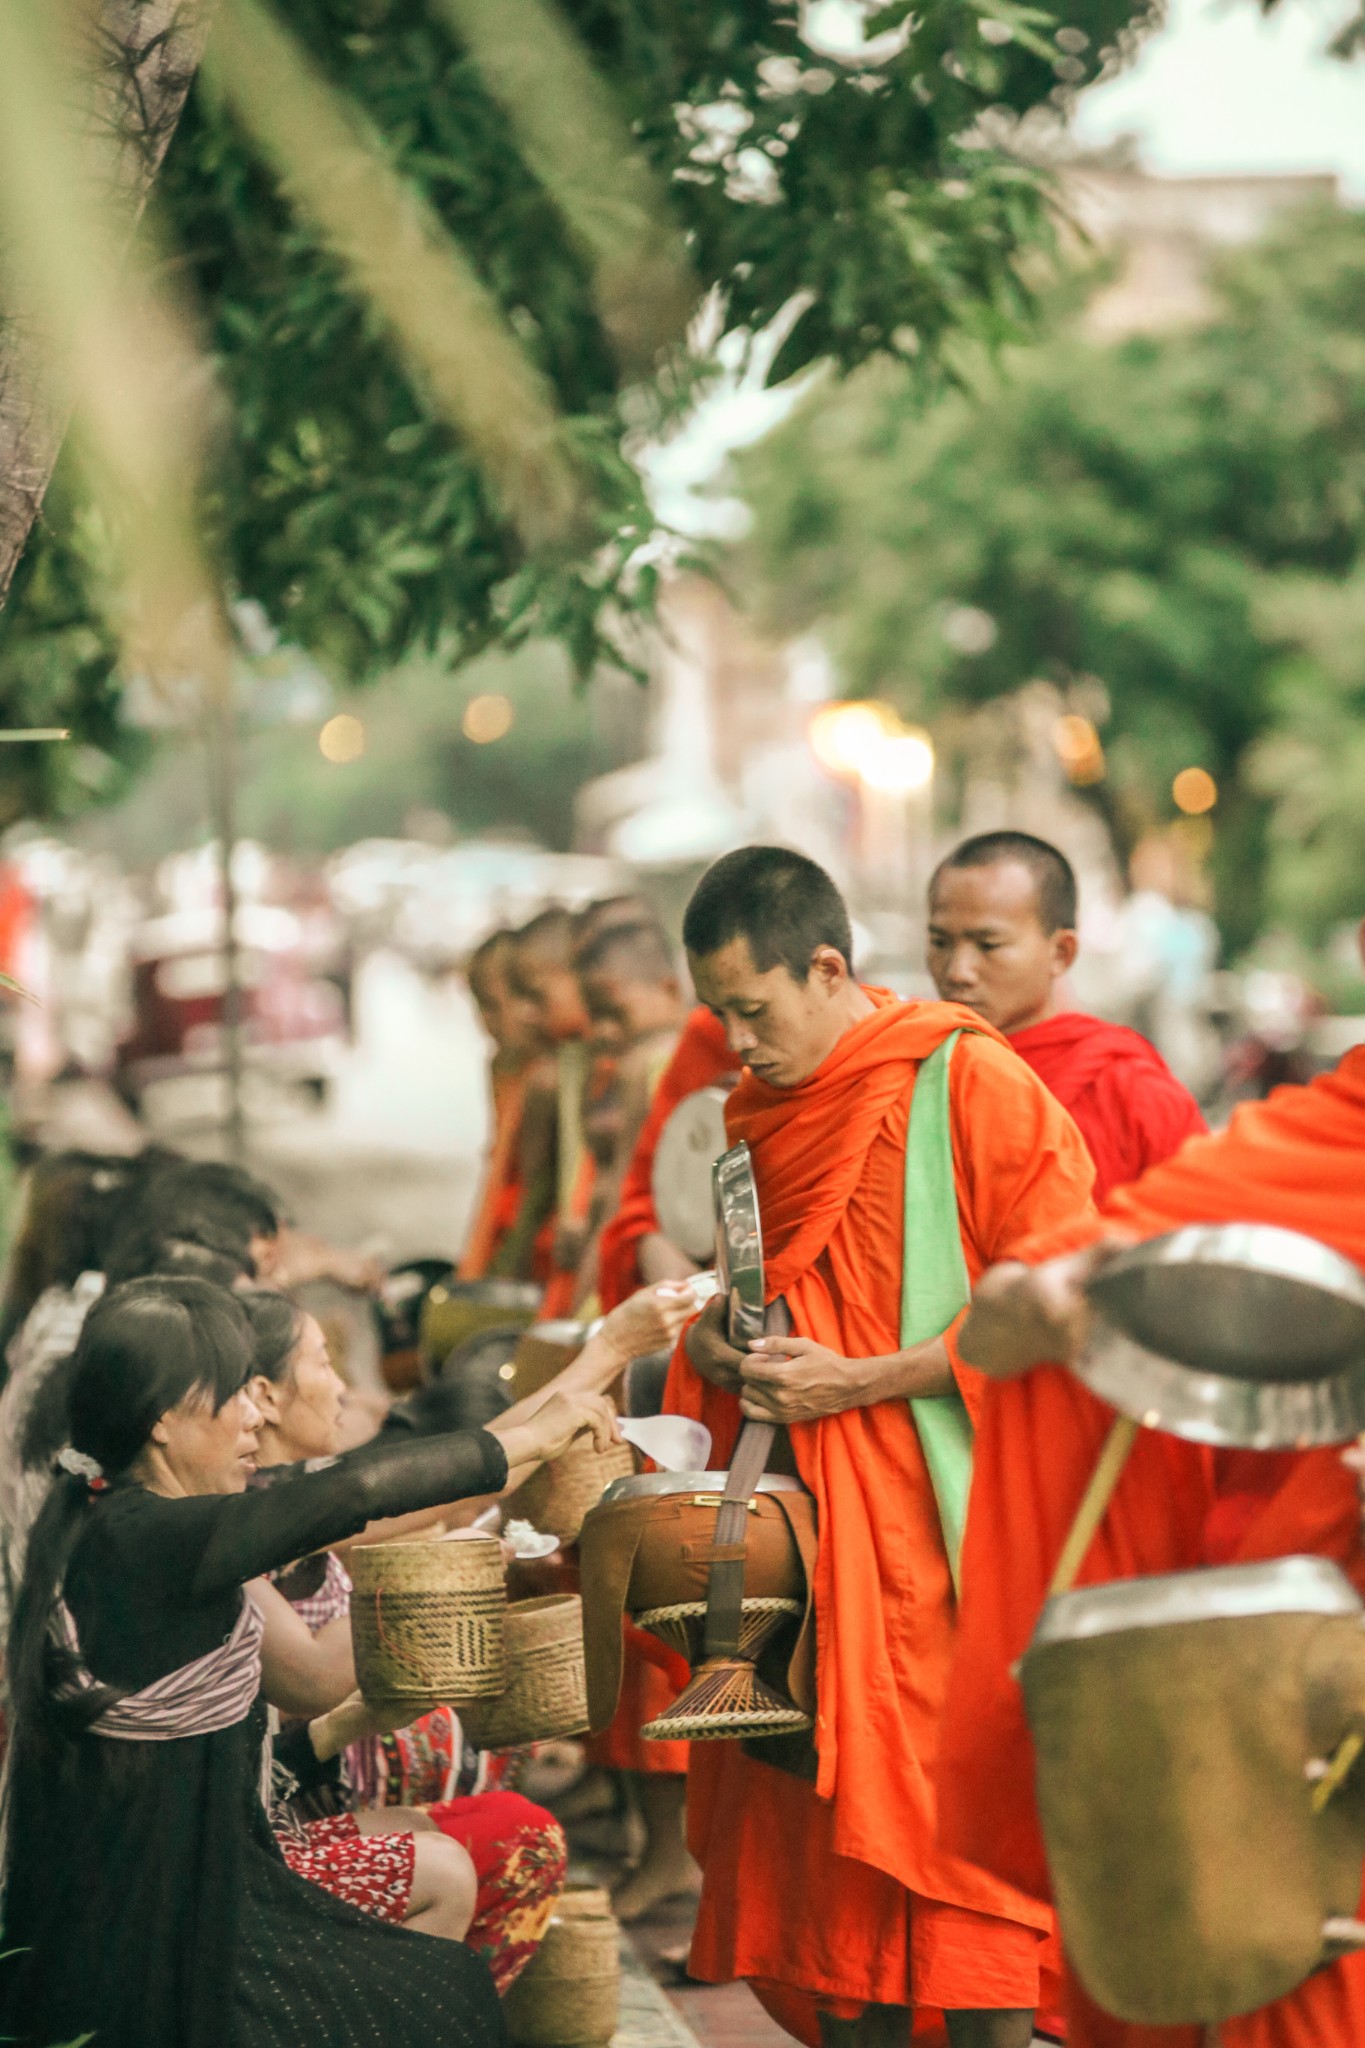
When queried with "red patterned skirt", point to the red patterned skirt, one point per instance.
{"points": [[373, 1872], [517, 1849]]}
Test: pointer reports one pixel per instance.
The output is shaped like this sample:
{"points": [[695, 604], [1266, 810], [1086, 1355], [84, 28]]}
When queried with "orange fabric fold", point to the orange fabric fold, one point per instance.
{"points": [[1296, 1160], [700, 1059], [500, 1196], [1128, 1105], [808, 1886]]}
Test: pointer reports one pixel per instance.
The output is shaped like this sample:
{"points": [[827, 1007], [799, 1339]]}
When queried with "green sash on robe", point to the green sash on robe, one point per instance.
{"points": [[934, 1286]]}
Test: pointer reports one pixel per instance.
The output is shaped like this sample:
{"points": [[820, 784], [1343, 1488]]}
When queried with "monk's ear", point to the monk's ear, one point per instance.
{"points": [[1360, 938], [828, 969], [1065, 947]]}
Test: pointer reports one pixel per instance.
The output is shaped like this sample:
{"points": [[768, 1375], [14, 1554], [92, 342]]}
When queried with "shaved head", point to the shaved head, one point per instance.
{"points": [[633, 952], [1054, 877], [548, 936], [1002, 917]]}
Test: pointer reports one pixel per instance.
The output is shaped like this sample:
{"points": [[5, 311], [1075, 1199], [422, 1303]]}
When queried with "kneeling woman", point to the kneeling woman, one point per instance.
{"points": [[145, 1900]]}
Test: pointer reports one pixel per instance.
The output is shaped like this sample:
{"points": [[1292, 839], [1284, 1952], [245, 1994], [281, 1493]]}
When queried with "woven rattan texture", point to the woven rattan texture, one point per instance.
{"points": [[546, 1696], [428, 1620]]}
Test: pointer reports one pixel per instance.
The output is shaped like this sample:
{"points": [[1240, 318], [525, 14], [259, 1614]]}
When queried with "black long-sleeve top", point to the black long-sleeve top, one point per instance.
{"points": [[154, 1581], [146, 1899]]}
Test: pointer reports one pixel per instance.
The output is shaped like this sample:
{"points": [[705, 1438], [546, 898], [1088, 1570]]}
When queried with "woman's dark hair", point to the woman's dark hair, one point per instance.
{"points": [[223, 1201], [275, 1326], [76, 1204], [195, 1248], [145, 1348]]}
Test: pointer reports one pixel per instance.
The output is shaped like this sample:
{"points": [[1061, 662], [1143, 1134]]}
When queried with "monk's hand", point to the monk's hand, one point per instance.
{"points": [[1022, 1316], [709, 1348], [794, 1379]]}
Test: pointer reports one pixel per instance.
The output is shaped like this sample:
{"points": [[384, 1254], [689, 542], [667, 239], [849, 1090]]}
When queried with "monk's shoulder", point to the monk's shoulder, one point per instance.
{"points": [[986, 1070]]}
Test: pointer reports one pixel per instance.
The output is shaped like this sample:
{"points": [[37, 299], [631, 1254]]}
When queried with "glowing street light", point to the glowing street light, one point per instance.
{"points": [[901, 763], [844, 736]]}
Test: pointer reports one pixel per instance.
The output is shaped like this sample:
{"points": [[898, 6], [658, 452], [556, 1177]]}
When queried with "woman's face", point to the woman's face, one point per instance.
{"points": [[305, 1414], [207, 1452]]}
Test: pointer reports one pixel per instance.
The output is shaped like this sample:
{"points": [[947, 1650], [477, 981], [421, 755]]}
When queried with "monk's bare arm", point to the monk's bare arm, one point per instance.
{"points": [[1022, 1316], [794, 1379]]}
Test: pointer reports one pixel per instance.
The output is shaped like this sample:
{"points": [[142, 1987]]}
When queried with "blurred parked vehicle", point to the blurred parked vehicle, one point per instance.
{"points": [[293, 1020]]}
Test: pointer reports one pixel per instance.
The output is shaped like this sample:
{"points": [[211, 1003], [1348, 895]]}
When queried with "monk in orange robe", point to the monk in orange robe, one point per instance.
{"points": [[511, 1026], [1002, 935], [834, 1898], [1296, 1160]]}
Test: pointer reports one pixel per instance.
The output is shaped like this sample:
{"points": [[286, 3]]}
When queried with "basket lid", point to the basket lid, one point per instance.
{"points": [[1236, 1334]]}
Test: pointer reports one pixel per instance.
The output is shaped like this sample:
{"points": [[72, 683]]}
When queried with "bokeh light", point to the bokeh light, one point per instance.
{"points": [[1079, 749], [342, 739], [1194, 791], [487, 718], [900, 763], [843, 736]]}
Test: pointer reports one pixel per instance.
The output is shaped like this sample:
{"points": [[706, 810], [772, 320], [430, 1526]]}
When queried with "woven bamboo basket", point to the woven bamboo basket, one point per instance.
{"points": [[428, 1619], [561, 1495], [569, 1994], [547, 1681]]}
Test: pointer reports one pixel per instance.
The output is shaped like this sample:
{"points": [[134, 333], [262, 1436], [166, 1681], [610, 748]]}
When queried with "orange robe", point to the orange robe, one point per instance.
{"points": [[833, 1895], [1127, 1104], [700, 1059], [500, 1196], [1296, 1160]]}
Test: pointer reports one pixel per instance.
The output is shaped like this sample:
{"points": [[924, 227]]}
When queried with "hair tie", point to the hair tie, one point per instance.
{"points": [[82, 1467]]}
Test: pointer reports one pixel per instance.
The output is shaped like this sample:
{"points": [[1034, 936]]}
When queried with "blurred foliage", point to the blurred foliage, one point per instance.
{"points": [[417, 770], [344, 505], [1171, 530]]}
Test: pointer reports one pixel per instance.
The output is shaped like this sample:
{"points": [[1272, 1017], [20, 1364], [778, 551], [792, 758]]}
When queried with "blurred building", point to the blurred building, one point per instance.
{"points": [[1164, 232]]}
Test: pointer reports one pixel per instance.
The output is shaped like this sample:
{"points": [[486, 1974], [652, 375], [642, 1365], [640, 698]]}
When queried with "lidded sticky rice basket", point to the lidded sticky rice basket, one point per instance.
{"points": [[559, 1497], [569, 1994], [428, 1619], [546, 1696]]}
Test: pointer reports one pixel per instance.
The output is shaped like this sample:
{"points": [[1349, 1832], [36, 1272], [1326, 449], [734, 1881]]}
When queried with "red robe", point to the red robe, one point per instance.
{"points": [[1128, 1105], [834, 1895], [700, 1059], [1296, 1160]]}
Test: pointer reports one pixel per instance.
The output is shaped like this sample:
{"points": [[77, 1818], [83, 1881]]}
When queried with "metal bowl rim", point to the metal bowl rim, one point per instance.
{"points": [[647, 1485], [1282, 1585]]}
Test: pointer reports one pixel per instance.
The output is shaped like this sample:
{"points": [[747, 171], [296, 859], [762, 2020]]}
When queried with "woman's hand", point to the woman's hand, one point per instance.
{"points": [[652, 1319], [354, 1718], [560, 1422]]}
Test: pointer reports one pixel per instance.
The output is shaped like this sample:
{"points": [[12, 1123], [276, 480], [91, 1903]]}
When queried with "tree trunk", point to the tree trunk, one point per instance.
{"points": [[142, 56]]}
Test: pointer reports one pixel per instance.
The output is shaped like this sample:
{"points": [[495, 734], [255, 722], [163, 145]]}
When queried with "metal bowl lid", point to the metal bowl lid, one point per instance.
{"points": [[1235, 1334], [689, 1145], [645, 1485], [739, 1243], [1286, 1585]]}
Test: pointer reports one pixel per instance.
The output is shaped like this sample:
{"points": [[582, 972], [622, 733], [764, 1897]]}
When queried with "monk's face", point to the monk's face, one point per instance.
{"points": [[624, 1009], [987, 946], [549, 990], [782, 1029], [507, 1017]]}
